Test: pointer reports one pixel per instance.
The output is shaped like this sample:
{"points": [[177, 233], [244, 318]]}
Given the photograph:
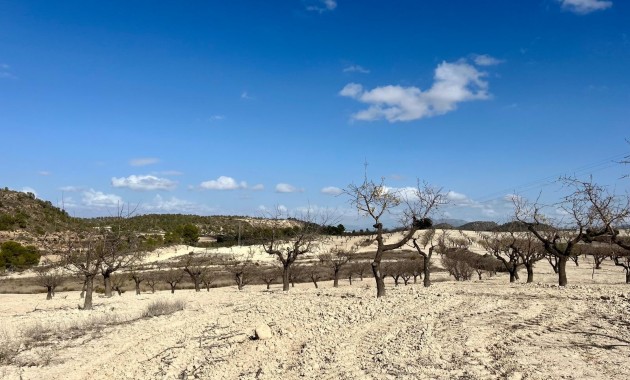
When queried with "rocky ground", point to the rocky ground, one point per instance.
{"points": [[454, 330]]}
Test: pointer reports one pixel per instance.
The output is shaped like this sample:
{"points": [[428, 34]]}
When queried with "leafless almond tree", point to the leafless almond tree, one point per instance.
{"points": [[172, 277], [195, 267], [304, 239], [425, 245], [241, 269], [336, 259], [49, 277], [375, 200], [592, 212], [499, 245]]}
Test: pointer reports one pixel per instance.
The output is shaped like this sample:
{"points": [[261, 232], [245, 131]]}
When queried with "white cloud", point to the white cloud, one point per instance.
{"points": [[322, 6], [223, 183], [356, 69], [173, 205], [258, 187], [486, 60], [583, 7], [93, 198], [245, 95], [286, 188], [332, 190], [217, 117], [453, 83], [456, 197], [144, 182], [29, 190], [44, 173], [143, 161]]}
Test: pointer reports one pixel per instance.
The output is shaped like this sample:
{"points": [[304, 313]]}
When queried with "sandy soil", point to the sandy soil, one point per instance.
{"points": [[469, 330]]}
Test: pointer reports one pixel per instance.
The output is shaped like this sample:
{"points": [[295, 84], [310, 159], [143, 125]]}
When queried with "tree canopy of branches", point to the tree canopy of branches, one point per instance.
{"points": [[336, 259], [591, 213], [425, 245], [375, 200], [287, 248], [241, 269]]}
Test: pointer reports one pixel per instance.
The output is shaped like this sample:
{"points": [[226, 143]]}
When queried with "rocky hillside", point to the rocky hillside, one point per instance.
{"points": [[23, 212]]}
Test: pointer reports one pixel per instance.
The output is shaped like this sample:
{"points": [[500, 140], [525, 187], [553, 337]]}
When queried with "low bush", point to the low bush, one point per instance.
{"points": [[163, 307]]}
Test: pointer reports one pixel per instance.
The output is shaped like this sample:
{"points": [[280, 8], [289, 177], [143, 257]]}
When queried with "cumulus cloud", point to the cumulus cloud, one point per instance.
{"points": [[246, 96], [173, 205], [486, 60], [223, 183], [143, 161], [144, 183], [258, 187], [456, 197], [454, 83], [93, 198], [322, 6], [286, 188], [331, 190], [356, 69], [583, 7]]}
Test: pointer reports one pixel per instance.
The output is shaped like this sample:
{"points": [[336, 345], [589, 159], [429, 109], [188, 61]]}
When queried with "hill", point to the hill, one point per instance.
{"points": [[479, 226], [23, 212]]}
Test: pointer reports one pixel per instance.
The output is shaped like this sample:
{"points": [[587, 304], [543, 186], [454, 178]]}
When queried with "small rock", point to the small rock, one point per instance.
{"points": [[263, 332], [515, 376]]}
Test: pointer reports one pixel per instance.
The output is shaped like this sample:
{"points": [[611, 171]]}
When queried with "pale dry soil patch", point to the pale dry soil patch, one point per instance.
{"points": [[470, 330]]}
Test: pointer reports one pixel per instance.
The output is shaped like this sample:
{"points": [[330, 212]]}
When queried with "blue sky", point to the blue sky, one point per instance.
{"points": [[233, 107]]}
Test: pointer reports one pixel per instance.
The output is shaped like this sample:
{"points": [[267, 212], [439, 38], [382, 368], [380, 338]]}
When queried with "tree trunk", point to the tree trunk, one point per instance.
{"points": [[315, 283], [380, 284], [137, 288], [173, 288], [479, 274], [49, 293], [268, 285], [427, 272], [336, 278], [108, 284], [516, 273], [562, 270], [530, 273], [512, 275], [89, 287], [627, 277], [82, 295], [197, 284], [285, 279], [350, 278], [239, 281]]}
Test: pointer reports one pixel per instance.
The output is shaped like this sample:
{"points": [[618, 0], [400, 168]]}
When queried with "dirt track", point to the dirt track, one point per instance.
{"points": [[469, 330]]}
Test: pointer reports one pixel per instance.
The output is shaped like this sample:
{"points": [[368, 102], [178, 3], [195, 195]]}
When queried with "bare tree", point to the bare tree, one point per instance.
{"points": [[138, 277], [82, 256], [498, 245], [529, 250], [49, 277], [152, 279], [592, 212], [336, 259], [425, 245], [288, 247], [270, 275], [241, 269], [458, 263], [315, 274], [172, 277], [375, 200], [118, 281], [207, 278], [195, 267]]}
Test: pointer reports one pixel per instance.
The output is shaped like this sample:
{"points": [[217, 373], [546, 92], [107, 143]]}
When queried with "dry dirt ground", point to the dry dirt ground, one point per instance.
{"points": [[486, 329]]}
